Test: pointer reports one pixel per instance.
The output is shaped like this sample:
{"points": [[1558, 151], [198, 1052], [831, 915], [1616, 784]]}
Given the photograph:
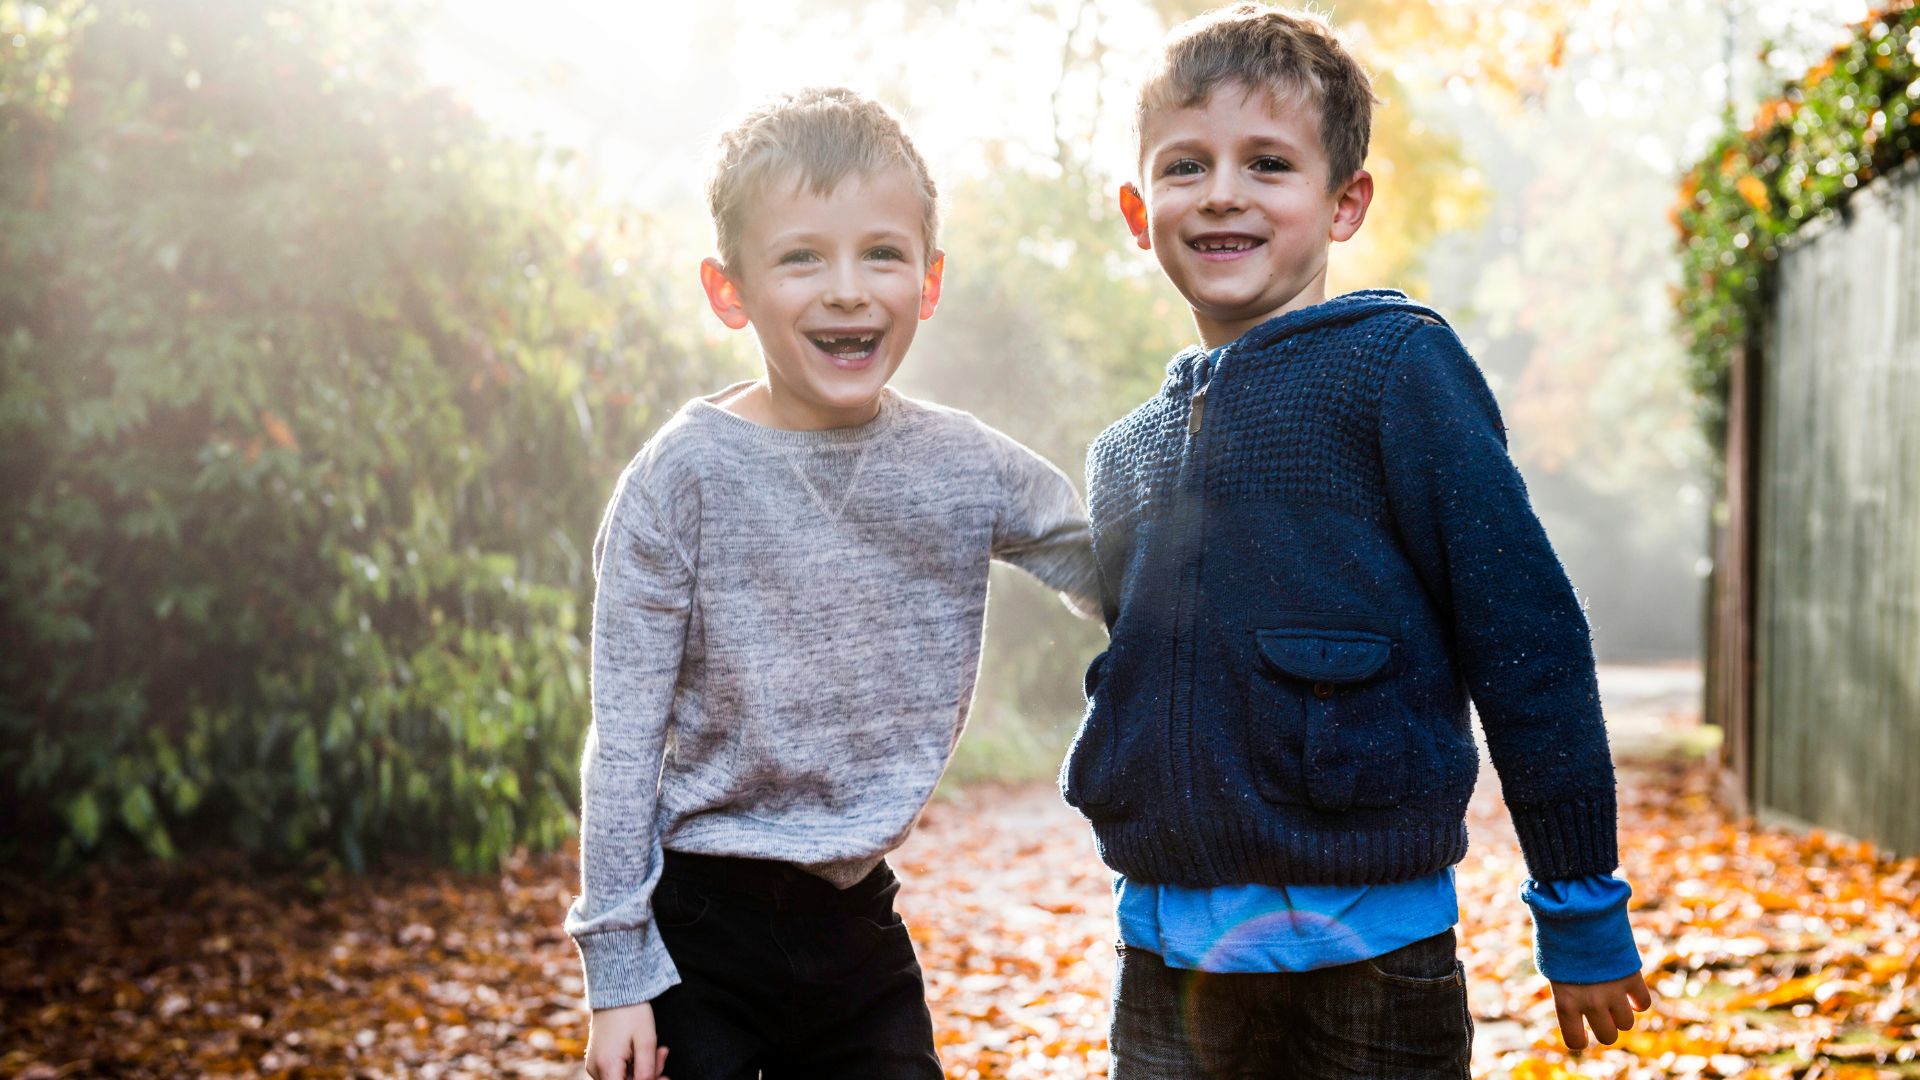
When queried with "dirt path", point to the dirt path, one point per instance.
{"points": [[1775, 955]]}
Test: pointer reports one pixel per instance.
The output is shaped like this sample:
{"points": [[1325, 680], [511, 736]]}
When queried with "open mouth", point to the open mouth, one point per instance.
{"points": [[847, 347], [1224, 246]]}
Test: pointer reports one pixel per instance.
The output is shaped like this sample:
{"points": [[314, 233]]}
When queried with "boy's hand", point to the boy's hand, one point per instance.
{"points": [[621, 1045], [1608, 1006]]}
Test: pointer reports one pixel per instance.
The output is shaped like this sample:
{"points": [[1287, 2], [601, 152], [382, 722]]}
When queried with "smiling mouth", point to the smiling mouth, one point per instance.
{"points": [[847, 348], [1224, 245]]}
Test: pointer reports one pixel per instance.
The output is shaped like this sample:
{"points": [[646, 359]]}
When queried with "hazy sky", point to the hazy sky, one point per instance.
{"points": [[642, 86]]}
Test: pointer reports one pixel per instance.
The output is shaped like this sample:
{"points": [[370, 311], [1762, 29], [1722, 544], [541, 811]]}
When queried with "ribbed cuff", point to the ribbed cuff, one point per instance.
{"points": [[1569, 839], [1581, 931], [625, 967]]}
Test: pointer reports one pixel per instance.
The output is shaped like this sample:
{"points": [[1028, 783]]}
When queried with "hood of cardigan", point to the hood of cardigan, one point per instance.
{"points": [[1345, 308]]}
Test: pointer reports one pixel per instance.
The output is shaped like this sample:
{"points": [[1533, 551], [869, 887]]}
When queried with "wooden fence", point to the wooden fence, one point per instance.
{"points": [[1824, 641]]}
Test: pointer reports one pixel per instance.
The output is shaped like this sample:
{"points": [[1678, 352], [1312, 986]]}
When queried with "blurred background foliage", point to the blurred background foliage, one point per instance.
{"points": [[312, 392], [326, 326]]}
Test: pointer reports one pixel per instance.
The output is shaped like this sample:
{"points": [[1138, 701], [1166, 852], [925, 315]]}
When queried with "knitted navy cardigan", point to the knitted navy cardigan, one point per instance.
{"points": [[1310, 555]]}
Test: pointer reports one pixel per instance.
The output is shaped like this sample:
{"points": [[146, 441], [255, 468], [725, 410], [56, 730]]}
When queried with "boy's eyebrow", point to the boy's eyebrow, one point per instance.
{"points": [[1257, 142], [785, 240]]}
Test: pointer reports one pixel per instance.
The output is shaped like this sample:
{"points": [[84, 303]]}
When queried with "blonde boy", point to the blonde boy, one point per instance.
{"points": [[792, 576]]}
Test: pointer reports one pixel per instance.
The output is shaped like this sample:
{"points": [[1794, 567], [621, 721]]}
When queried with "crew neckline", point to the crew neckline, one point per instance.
{"points": [[882, 420]]}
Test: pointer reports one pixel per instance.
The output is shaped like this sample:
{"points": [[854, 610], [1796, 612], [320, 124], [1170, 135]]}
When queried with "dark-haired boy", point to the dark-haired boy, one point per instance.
{"points": [[1314, 550]]}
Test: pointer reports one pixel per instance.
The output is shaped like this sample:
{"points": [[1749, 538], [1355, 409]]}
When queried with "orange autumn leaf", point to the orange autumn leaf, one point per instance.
{"points": [[1791, 992], [1754, 190], [278, 431]]}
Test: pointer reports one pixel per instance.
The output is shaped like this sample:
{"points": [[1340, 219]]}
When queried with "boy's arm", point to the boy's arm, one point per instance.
{"points": [[1042, 525], [1527, 654], [1519, 635], [1521, 639], [642, 597]]}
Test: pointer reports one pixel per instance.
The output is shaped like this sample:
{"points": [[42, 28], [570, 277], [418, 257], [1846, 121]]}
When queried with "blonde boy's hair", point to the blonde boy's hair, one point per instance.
{"points": [[818, 137], [1291, 56]]}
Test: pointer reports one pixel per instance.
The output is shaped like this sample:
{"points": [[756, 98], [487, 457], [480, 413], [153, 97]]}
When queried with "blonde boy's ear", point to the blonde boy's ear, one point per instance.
{"points": [[1350, 206], [1133, 207], [930, 285], [723, 296]]}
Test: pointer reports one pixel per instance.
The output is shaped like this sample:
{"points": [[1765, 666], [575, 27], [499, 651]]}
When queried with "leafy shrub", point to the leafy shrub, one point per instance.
{"points": [[1846, 121], [311, 393]]}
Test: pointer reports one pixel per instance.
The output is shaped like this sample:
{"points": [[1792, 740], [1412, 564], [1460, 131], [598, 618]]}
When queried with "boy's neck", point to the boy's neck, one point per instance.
{"points": [[1215, 333]]}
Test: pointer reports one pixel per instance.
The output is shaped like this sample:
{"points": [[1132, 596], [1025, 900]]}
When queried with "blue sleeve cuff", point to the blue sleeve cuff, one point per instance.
{"points": [[1580, 929]]}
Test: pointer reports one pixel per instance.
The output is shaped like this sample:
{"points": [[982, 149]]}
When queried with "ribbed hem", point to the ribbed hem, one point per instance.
{"points": [[1569, 839], [1227, 851], [625, 967]]}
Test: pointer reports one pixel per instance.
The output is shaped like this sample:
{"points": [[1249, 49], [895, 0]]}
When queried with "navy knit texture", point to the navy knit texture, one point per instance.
{"points": [[1302, 590]]}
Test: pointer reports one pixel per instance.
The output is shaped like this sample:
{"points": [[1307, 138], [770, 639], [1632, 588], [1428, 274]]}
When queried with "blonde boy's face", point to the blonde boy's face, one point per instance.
{"points": [[1238, 209], [834, 286]]}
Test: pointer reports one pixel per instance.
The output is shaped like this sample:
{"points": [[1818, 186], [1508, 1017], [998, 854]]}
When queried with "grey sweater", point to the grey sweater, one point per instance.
{"points": [[786, 632]]}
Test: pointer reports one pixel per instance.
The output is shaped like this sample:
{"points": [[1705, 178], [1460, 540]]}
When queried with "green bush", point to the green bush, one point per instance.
{"points": [[311, 393], [1843, 123]]}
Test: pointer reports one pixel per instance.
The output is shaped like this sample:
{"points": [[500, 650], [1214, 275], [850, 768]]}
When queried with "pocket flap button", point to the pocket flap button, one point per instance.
{"points": [[1323, 690]]}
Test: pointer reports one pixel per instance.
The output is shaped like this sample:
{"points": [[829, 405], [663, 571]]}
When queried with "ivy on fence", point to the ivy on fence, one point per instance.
{"points": [[1846, 121]]}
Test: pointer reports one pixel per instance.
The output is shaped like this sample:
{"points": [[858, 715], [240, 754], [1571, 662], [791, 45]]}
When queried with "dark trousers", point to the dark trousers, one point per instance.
{"points": [[784, 976], [1401, 1016]]}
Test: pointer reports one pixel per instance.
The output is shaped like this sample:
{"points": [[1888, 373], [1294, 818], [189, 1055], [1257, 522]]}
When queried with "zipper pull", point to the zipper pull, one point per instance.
{"points": [[1197, 411]]}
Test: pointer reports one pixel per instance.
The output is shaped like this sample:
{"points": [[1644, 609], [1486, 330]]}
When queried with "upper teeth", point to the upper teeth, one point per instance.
{"points": [[1238, 243], [845, 342]]}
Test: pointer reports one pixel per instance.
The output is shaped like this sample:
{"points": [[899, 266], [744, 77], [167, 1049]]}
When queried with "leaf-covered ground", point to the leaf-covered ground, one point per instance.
{"points": [[1773, 955]]}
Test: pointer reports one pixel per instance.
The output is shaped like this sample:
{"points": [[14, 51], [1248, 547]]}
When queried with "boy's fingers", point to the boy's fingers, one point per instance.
{"points": [[1622, 1011], [1603, 1028], [660, 1063], [646, 1059], [1637, 991], [1572, 1029]]}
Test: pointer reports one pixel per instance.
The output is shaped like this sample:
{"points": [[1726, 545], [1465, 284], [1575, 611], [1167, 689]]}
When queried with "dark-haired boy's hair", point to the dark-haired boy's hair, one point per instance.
{"points": [[1292, 56], [818, 137]]}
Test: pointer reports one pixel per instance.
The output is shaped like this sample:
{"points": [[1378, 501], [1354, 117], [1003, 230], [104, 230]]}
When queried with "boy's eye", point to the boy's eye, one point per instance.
{"points": [[1270, 163], [1183, 167], [798, 256], [889, 253]]}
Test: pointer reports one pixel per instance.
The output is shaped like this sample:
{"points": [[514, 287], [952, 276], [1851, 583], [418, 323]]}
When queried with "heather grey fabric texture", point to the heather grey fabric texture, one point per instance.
{"points": [[786, 633]]}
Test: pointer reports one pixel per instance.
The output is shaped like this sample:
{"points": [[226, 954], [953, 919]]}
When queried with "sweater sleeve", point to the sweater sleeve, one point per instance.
{"points": [[1580, 929], [1042, 526], [1518, 632], [642, 598]]}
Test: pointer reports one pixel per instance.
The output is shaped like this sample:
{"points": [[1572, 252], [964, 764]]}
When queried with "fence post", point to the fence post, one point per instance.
{"points": [[1730, 645]]}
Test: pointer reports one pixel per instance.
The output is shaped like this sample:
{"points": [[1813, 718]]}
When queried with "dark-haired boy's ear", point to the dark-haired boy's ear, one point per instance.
{"points": [[1350, 206], [930, 285], [1133, 207], [723, 296]]}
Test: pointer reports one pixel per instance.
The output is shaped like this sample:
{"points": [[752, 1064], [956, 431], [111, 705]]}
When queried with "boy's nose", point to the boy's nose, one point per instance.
{"points": [[1223, 192], [845, 289]]}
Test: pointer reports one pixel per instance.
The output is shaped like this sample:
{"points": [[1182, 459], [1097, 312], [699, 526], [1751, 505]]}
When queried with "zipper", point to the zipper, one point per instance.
{"points": [[1186, 621]]}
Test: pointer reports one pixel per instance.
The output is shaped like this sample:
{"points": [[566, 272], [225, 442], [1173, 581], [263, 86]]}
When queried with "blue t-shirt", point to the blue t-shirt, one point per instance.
{"points": [[1581, 929]]}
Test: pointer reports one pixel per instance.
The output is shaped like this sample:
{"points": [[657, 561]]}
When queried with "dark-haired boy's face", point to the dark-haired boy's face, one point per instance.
{"points": [[1238, 209]]}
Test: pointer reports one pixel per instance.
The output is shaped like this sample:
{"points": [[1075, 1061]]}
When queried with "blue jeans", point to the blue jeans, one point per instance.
{"points": [[784, 977], [1399, 1016]]}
